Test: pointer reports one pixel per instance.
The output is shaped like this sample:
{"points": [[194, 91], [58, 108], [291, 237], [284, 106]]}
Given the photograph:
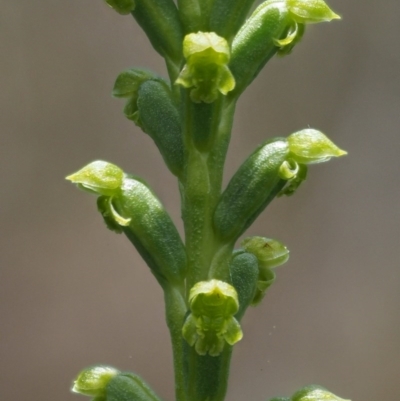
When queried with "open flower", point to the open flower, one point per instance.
{"points": [[206, 70], [213, 304]]}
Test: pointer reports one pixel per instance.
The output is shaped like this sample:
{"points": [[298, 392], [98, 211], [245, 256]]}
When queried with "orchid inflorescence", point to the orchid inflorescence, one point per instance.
{"points": [[213, 50]]}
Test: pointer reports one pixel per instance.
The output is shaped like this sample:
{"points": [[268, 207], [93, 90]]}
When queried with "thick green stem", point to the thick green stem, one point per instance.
{"points": [[175, 313], [203, 179], [173, 69], [206, 376]]}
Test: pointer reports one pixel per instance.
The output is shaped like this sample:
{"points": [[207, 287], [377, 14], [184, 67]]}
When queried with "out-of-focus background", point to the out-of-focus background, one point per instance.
{"points": [[74, 294]]}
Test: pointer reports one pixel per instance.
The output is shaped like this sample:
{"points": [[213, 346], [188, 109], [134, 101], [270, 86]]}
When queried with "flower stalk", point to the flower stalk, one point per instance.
{"points": [[212, 54]]}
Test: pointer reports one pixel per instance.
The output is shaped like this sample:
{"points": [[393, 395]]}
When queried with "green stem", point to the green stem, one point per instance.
{"points": [[175, 313], [173, 69], [190, 14], [207, 130], [208, 375], [203, 179]]}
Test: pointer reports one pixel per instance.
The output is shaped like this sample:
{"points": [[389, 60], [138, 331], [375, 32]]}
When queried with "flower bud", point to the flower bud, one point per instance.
{"points": [[270, 253], [211, 323], [127, 85], [206, 70], [310, 146], [93, 381], [315, 393], [122, 7], [128, 82]]}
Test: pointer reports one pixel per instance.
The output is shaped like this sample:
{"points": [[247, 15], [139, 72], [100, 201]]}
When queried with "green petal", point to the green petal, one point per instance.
{"points": [[128, 81], [315, 393], [100, 177], [311, 11], [103, 206], [93, 381], [291, 36], [310, 146], [296, 181], [288, 169], [122, 221], [234, 332], [185, 77], [266, 279], [189, 330], [226, 80]]}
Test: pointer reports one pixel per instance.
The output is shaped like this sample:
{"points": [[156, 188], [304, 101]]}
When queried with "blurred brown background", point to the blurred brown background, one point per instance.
{"points": [[73, 294]]}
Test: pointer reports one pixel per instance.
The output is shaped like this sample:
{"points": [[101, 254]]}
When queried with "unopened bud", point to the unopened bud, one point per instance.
{"points": [[127, 85], [270, 253]]}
